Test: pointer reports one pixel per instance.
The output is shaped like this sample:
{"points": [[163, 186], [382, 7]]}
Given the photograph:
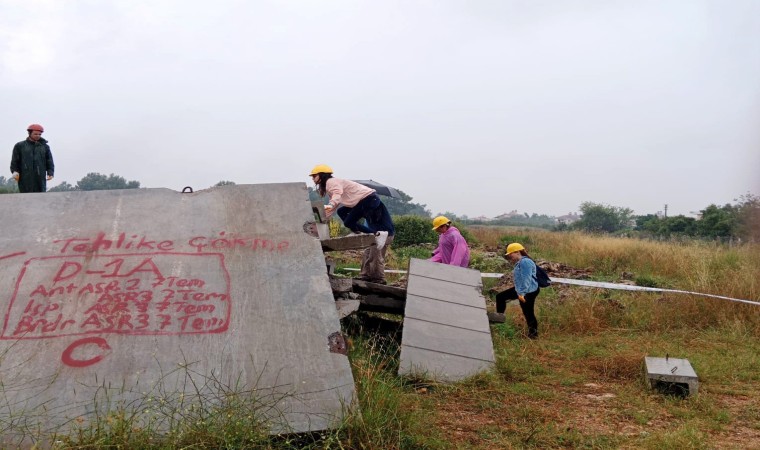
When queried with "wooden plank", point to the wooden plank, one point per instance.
{"points": [[352, 242], [367, 288], [376, 303]]}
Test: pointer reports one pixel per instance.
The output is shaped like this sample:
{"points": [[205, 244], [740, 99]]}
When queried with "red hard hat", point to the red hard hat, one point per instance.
{"points": [[35, 127]]}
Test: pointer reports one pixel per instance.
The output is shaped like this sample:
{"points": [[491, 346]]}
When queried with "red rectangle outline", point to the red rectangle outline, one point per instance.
{"points": [[135, 333]]}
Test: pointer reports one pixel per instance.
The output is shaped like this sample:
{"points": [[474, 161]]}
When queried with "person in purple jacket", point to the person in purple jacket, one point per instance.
{"points": [[452, 248]]}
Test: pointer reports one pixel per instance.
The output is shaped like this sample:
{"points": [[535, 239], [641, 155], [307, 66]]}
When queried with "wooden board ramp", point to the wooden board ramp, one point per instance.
{"points": [[446, 333]]}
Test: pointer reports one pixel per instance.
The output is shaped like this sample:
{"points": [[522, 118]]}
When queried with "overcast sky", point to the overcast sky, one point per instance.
{"points": [[474, 107]]}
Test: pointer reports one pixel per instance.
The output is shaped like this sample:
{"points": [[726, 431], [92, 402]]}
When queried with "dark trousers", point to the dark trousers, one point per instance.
{"points": [[372, 210], [352, 215], [528, 308]]}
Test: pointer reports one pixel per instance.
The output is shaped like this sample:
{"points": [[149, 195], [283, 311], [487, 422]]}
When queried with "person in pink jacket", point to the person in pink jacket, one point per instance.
{"points": [[452, 248], [354, 202]]}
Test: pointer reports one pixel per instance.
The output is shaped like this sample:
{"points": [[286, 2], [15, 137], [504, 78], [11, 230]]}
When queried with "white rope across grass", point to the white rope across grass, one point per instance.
{"points": [[627, 287], [606, 285]]}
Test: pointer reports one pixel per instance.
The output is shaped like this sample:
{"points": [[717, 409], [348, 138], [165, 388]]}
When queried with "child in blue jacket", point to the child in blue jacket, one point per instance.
{"points": [[526, 289]]}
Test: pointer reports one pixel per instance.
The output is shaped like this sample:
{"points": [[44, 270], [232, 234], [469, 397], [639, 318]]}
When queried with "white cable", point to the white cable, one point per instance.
{"points": [[605, 285]]}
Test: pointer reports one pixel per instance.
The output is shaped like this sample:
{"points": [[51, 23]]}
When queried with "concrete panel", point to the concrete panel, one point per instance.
{"points": [[440, 366], [346, 307], [454, 274], [445, 290], [121, 294], [672, 371], [446, 334], [456, 315], [447, 339]]}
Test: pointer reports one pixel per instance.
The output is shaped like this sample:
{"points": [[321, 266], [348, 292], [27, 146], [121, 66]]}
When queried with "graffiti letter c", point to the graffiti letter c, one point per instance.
{"points": [[69, 361]]}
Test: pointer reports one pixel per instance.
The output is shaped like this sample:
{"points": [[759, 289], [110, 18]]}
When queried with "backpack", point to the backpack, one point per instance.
{"points": [[541, 277]]}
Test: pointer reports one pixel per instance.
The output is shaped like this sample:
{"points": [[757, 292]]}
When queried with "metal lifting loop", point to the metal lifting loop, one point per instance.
{"points": [[187, 190]]}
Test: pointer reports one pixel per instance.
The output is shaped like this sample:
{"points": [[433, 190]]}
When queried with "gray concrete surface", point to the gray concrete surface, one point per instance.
{"points": [[672, 371], [446, 334], [114, 298]]}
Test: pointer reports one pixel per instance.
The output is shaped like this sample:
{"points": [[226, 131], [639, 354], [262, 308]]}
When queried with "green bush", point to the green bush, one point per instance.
{"points": [[488, 262], [403, 254], [413, 230]]}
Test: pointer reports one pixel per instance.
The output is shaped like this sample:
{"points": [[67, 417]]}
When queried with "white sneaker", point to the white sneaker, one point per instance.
{"points": [[380, 238]]}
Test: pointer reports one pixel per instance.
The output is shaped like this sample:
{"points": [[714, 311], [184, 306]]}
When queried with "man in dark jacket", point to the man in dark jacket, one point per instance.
{"points": [[32, 163]]}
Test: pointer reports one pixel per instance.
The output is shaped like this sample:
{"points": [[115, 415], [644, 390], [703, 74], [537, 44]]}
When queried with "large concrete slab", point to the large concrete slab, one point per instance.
{"points": [[446, 333], [120, 295]]}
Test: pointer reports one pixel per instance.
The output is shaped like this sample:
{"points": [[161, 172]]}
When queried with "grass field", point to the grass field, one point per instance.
{"points": [[582, 384]]}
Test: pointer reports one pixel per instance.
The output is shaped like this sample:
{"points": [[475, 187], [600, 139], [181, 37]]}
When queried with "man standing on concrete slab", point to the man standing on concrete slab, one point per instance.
{"points": [[452, 247], [354, 202], [32, 162]]}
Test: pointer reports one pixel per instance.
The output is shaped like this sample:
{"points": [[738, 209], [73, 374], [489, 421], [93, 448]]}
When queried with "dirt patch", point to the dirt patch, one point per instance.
{"points": [[595, 411]]}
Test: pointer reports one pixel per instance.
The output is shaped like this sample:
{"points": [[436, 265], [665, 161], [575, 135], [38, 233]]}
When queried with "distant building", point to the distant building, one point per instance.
{"points": [[482, 219], [569, 218], [510, 215]]}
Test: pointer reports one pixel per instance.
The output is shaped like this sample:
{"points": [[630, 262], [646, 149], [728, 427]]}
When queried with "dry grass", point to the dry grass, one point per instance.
{"points": [[706, 267]]}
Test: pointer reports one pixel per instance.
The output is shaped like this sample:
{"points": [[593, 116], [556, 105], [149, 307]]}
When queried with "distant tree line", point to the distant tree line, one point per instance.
{"points": [[523, 220], [731, 221], [97, 182]]}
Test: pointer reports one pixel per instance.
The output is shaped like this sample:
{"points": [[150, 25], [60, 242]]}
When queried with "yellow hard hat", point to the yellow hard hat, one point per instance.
{"points": [[440, 220], [514, 247], [321, 168]]}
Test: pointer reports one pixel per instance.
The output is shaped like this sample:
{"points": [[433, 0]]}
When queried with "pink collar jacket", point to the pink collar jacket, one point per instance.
{"points": [[452, 249]]}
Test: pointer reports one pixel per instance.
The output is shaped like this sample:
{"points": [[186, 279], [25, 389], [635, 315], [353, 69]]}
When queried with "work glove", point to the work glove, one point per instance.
{"points": [[49, 177], [521, 298], [15, 176]]}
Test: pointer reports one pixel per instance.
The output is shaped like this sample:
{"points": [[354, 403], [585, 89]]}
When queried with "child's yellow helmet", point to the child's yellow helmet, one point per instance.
{"points": [[514, 247]]}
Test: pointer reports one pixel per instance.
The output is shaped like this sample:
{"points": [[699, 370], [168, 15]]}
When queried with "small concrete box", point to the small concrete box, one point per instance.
{"points": [[672, 373]]}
